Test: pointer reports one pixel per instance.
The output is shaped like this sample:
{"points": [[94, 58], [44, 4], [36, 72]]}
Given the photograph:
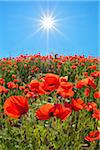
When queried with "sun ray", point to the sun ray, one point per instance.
{"points": [[66, 38], [70, 18], [61, 33], [32, 34]]}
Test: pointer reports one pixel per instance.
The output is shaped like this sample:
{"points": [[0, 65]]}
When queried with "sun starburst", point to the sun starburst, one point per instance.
{"points": [[47, 22]]}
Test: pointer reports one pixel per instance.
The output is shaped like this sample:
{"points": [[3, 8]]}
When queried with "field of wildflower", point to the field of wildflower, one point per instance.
{"points": [[49, 103]]}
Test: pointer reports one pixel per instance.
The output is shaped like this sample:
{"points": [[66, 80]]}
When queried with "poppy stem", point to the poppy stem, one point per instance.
{"points": [[76, 120]]}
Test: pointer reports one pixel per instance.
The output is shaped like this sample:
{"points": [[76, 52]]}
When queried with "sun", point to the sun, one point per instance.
{"points": [[47, 22]]}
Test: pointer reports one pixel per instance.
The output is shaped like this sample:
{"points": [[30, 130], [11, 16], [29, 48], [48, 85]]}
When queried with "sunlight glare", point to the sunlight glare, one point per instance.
{"points": [[47, 22]]}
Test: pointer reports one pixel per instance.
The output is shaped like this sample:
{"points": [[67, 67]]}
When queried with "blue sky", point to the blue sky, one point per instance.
{"points": [[78, 26]]}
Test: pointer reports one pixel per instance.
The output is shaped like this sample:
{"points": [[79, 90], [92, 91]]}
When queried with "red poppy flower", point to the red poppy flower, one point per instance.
{"points": [[66, 85], [73, 67], [87, 81], [95, 74], [65, 89], [91, 106], [41, 90], [12, 85], [82, 64], [13, 76], [3, 68], [61, 111], [25, 66], [87, 92], [91, 82], [16, 80], [96, 114], [77, 104], [3, 89], [15, 106], [43, 113], [51, 82], [81, 83], [34, 85], [2, 81], [97, 94], [85, 74], [92, 67], [93, 136], [59, 66], [65, 92]]}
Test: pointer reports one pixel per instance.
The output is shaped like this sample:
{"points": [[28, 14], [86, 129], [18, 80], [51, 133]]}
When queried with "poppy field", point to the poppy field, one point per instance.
{"points": [[49, 103]]}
